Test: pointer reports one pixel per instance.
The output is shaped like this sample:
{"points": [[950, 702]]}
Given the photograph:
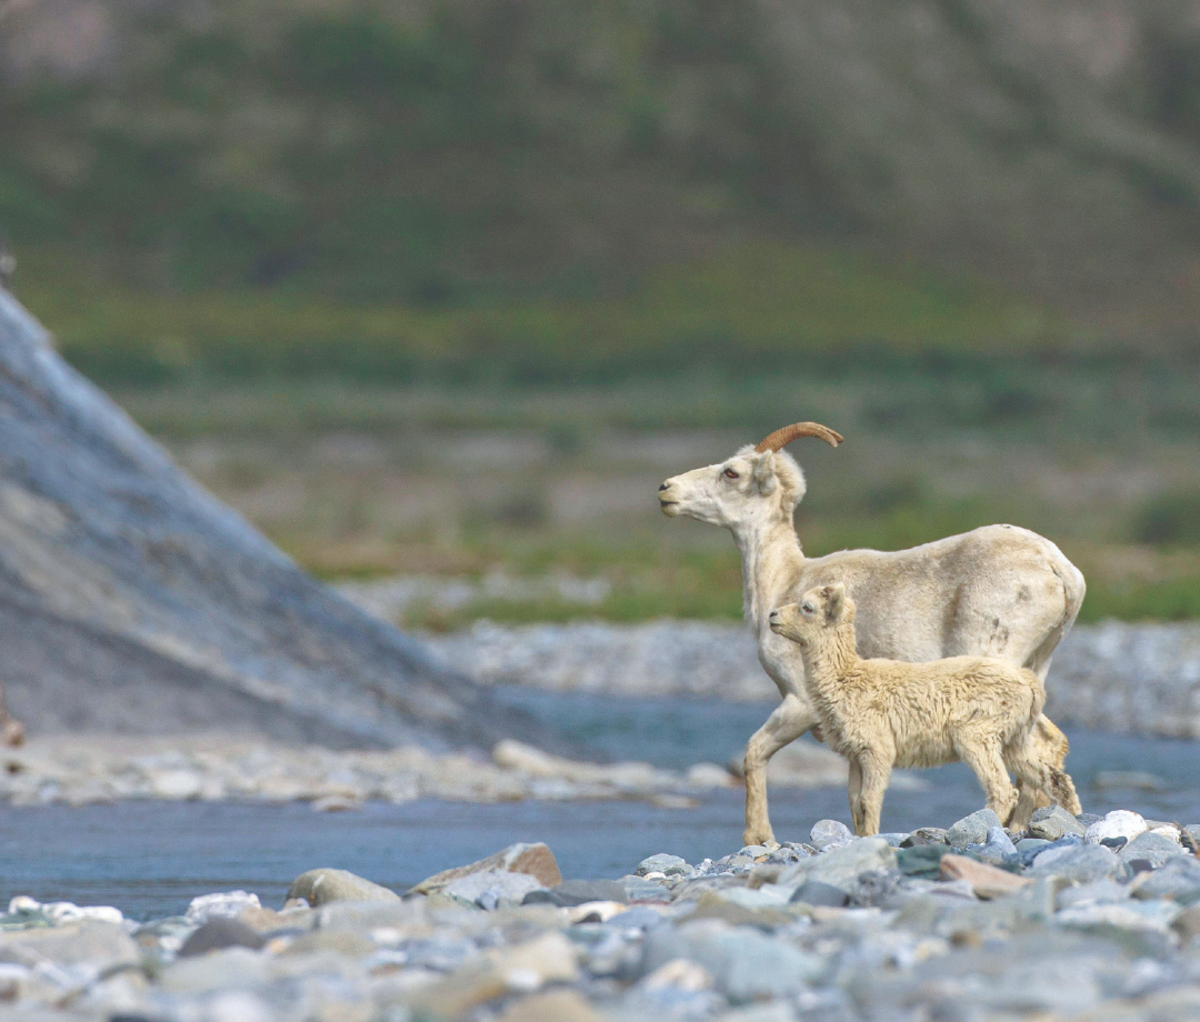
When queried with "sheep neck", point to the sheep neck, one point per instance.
{"points": [[827, 663], [771, 563]]}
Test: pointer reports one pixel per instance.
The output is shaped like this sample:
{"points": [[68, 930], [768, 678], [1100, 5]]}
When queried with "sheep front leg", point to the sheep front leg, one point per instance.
{"points": [[854, 790], [789, 721], [876, 773]]}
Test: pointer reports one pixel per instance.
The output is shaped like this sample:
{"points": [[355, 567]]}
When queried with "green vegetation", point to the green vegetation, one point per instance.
{"points": [[1170, 519], [358, 481], [749, 307], [1172, 599]]}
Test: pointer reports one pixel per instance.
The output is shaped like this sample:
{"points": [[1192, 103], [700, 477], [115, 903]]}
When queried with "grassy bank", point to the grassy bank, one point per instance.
{"points": [[749, 306], [358, 481]]}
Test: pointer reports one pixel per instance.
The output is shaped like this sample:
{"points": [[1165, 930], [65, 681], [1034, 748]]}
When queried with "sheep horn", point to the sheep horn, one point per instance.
{"points": [[784, 436]]}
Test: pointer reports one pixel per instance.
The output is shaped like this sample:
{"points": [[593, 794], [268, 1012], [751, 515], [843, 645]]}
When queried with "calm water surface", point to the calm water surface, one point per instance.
{"points": [[151, 858]]}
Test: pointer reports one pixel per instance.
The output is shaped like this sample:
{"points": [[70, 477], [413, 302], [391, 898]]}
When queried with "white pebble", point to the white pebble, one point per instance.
{"points": [[228, 904], [1118, 823]]}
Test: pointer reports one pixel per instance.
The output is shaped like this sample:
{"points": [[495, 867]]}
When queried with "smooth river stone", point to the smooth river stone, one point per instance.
{"points": [[535, 859], [1178, 878], [973, 829], [842, 866], [1153, 848], [1081, 864], [1052, 822], [1120, 823], [321, 886]]}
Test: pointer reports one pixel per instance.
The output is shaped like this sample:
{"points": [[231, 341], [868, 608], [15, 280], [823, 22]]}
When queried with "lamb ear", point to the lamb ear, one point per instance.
{"points": [[835, 602], [764, 473]]}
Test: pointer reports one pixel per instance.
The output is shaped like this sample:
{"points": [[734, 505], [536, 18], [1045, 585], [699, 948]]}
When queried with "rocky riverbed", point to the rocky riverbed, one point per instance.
{"points": [[1083, 918], [1113, 676]]}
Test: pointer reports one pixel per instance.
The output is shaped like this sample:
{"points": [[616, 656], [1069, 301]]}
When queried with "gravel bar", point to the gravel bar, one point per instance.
{"points": [[1113, 676], [1080, 918]]}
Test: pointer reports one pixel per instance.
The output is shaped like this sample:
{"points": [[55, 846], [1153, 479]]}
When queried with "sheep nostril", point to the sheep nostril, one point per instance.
{"points": [[663, 487]]}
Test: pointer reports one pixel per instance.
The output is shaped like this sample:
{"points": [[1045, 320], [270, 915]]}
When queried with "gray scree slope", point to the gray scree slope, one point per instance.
{"points": [[133, 601]]}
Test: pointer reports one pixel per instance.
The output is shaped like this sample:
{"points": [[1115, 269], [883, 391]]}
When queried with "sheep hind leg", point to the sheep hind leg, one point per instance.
{"points": [[982, 754], [1063, 790], [1033, 775], [787, 723], [1050, 746]]}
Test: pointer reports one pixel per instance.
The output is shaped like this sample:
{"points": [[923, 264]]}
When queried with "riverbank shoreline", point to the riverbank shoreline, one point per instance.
{"points": [[1079, 919]]}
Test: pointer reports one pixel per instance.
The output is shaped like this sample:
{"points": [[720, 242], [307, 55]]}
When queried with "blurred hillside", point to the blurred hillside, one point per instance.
{"points": [[445, 289], [568, 190]]}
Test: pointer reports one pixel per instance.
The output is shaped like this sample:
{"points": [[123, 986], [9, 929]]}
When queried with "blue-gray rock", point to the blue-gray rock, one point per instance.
{"points": [[746, 964], [1177, 878], [492, 889], [642, 1001], [997, 849], [1079, 863], [1030, 852], [670, 865], [1030, 848], [578, 892], [640, 917], [842, 866], [925, 836], [815, 892], [973, 829], [786, 855], [921, 861], [876, 886], [1152, 848], [638, 889], [828, 833], [1128, 915], [735, 863], [219, 933], [1052, 822], [1097, 892]]}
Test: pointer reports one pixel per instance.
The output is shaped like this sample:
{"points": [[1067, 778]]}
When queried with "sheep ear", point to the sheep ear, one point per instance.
{"points": [[835, 602], [764, 473]]}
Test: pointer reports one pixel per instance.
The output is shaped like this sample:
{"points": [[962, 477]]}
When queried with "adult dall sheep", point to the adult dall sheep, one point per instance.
{"points": [[997, 591], [885, 713]]}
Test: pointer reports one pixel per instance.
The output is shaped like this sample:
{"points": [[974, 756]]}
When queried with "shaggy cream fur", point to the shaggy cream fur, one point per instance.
{"points": [[885, 713]]}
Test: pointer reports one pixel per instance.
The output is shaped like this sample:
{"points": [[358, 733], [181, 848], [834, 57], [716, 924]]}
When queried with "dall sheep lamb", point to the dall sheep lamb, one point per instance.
{"points": [[999, 591], [885, 713]]}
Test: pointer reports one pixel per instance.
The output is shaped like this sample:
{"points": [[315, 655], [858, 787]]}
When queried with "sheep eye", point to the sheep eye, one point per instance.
{"points": [[807, 608], [730, 474]]}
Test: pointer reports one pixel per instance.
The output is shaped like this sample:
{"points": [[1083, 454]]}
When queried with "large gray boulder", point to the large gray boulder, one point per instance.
{"points": [[131, 600]]}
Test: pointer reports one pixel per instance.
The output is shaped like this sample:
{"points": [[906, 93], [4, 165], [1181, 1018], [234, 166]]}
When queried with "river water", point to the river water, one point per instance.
{"points": [[149, 858]]}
